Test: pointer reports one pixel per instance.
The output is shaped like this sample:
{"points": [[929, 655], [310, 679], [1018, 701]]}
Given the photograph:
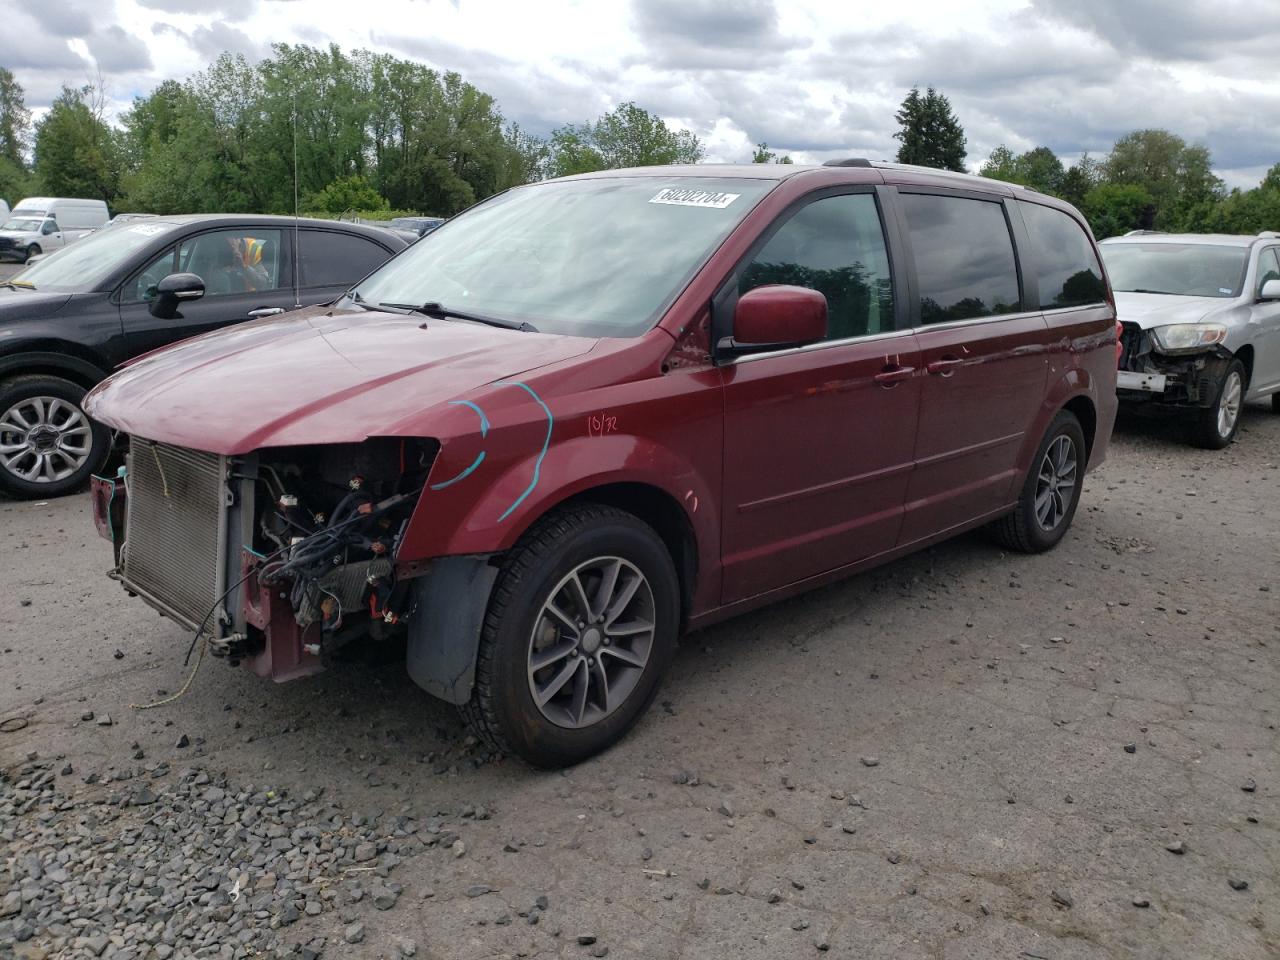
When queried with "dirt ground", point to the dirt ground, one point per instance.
{"points": [[964, 755]]}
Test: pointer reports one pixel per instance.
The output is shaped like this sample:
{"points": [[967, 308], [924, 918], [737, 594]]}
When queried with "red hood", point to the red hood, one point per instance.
{"points": [[314, 377]]}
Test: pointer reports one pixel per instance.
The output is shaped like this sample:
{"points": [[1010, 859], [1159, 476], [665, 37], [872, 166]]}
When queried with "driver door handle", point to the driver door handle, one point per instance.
{"points": [[266, 312]]}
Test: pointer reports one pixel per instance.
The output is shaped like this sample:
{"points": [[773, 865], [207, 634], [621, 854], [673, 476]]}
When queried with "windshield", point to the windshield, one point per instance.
{"points": [[23, 224], [598, 258], [1178, 269], [86, 263]]}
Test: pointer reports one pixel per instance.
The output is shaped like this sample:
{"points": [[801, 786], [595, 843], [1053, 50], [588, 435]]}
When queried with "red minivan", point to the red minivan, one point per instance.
{"points": [[594, 413]]}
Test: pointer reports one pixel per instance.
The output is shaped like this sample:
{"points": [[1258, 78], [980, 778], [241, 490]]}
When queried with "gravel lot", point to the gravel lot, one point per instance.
{"points": [[963, 755]]}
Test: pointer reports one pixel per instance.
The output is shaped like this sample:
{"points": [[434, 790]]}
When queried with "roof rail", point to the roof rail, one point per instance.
{"points": [[1141, 233], [848, 162], [1268, 235]]}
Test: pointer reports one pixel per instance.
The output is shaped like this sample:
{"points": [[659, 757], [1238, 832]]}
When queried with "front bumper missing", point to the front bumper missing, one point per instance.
{"points": [[276, 650], [1150, 379]]}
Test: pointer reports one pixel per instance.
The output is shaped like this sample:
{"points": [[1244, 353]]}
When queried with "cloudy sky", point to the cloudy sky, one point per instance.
{"points": [[816, 79]]}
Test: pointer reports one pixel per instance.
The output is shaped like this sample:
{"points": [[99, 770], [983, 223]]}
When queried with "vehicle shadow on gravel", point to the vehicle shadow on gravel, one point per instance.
{"points": [[1166, 429]]}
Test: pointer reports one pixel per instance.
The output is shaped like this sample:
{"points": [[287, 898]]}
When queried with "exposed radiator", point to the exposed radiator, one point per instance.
{"points": [[174, 528]]}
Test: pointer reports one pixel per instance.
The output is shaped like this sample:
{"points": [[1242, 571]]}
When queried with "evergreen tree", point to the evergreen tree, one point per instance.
{"points": [[930, 134]]}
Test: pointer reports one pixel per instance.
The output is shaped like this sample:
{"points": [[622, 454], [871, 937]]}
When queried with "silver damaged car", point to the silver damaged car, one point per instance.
{"points": [[1201, 326]]}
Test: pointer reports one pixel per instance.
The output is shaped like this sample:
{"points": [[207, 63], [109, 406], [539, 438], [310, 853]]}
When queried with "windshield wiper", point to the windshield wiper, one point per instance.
{"points": [[438, 312], [1167, 293]]}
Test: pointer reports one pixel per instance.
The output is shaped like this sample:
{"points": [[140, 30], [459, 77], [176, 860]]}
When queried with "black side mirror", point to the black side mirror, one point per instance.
{"points": [[173, 290]]}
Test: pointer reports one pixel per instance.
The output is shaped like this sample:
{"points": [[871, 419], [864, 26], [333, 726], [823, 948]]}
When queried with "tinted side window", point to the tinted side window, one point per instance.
{"points": [[233, 261], [964, 257], [835, 246], [335, 259], [1061, 258], [1268, 267], [143, 286]]}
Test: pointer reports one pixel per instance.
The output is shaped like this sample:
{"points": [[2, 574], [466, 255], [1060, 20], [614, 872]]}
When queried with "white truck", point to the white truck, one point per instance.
{"points": [[43, 224]]}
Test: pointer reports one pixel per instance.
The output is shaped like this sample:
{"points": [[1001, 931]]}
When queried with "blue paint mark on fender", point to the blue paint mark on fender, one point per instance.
{"points": [[546, 443], [462, 476], [484, 431], [484, 421]]}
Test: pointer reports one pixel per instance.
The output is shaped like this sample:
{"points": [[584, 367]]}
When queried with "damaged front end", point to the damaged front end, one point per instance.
{"points": [[1151, 378], [279, 557]]}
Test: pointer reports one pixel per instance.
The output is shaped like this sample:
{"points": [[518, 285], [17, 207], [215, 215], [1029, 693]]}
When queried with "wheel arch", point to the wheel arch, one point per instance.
{"points": [[1245, 356], [1084, 410], [660, 510], [52, 363]]}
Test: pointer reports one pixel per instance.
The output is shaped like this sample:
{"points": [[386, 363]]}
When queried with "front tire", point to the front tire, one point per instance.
{"points": [[581, 626], [1049, 496], [32, 251], [1217, 425], [48, 444]]}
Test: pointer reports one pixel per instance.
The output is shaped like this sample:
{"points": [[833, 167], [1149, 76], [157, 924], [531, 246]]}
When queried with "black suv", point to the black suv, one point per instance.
{"points": [[69, 320]]}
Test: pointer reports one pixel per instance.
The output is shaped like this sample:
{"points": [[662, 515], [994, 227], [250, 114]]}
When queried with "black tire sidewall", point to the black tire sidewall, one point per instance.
{"points": [[526, 731], [22, 388], [32, 251], [1207, 428], [1064, 423]]}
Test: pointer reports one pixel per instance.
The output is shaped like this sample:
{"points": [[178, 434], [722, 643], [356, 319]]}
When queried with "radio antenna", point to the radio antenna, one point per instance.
{"points": [[297, 251]]}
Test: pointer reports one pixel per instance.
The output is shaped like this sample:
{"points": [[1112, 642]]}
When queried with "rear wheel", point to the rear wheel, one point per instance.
{"points": [[48, 444], [1049, 496], [579, 631], [1217, 425]]}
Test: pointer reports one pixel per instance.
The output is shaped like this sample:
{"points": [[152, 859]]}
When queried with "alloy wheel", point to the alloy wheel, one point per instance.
{"points": [[1056, 482], [1229, 403], [591, 642], [44, 439]]}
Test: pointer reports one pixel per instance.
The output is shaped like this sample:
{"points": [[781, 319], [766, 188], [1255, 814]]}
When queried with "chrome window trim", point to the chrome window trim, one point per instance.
{"points": [[817, 345], [1098, 305], [977, 321]]}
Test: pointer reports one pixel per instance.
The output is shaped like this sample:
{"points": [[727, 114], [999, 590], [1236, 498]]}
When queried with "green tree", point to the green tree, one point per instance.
{"points": [[15, 135], [763, 154], [15, 120], [76, 152], [1078, 179], [930, 134], [628, 136], [346, 193], [1040, 169], [1245, 211], [1001, 165], [1115, 208], [1178, 176]]}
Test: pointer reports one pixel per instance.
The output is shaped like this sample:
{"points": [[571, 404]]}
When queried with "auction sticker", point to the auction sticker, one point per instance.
{"points": [[683, 197]]}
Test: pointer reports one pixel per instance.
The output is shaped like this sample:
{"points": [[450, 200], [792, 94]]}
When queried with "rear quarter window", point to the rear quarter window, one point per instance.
{"points": [[1061, 259], [327, 258]]}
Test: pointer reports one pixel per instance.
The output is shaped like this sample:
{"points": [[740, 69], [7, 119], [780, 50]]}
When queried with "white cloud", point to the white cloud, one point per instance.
{"points": [[815, 78]]}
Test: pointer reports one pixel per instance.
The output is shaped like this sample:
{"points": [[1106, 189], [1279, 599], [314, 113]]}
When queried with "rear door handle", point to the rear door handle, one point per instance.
{"points": [[266, 311], [944, 367], [893, 374]]}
